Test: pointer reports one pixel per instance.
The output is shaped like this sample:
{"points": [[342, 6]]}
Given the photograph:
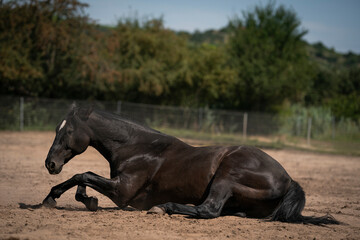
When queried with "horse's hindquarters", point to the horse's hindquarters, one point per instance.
{"points": [[257, 182]]}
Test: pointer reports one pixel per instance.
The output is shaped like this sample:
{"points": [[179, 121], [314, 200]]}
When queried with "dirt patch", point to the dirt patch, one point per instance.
{"points": [[331, 182]]}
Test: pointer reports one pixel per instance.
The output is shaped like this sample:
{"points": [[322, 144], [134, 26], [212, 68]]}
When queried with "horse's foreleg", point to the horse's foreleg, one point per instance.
{"points": [[103, 185], [91, 203]]}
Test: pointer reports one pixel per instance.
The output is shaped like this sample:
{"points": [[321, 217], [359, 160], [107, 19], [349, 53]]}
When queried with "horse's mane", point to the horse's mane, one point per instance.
{"points": [[124, 118], [83, 112]]}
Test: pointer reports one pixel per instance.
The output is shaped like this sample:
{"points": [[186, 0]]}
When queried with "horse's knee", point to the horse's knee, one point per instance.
{"points": [[89, 173], [82, 177], [78, 177]]}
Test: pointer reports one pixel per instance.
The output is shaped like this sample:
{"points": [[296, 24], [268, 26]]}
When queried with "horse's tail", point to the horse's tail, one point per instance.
{"points": [[289, 209]]}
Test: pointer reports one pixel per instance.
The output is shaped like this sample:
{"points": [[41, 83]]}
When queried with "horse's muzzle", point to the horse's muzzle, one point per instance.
{"points": [[53, 168]]}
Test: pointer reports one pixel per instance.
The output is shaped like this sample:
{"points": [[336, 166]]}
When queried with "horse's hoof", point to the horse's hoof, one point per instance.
{"points": [[49, 202], [156, 210], [91, 203]]}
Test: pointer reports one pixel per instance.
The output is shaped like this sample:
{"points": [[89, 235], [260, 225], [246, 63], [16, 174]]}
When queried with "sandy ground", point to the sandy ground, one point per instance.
{"points": [[331, 182]]}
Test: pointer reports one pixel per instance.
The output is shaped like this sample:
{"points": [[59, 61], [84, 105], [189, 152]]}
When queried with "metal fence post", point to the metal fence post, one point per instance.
{"points": [[200, 117], [245, 119], [118, 107], [21, 113], [298, 126], [333, 127], [309, 130]]}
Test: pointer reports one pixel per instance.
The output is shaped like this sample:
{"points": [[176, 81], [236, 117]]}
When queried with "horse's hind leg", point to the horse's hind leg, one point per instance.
{"points": [[219, 193], [91, 203]]}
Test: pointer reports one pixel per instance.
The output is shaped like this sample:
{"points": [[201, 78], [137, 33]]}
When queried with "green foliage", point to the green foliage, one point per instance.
{"points": [[295, 121], [324, 126], [346, 102], [38, 40], [258, 62], [214, 37], [9, 113], [270, 57], [336, 83], [323, 88], [328, 59], [211, 77], [150, 59]]}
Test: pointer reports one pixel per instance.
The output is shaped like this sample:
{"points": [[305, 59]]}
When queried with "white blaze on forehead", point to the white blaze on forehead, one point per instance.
{"points": [[62, 125]]}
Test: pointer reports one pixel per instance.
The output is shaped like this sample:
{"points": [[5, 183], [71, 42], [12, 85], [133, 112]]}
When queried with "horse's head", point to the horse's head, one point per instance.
{"points": [[72, 138]]}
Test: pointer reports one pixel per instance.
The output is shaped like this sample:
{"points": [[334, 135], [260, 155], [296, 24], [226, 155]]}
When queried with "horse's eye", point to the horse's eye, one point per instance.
{"points": [[69, 131]]}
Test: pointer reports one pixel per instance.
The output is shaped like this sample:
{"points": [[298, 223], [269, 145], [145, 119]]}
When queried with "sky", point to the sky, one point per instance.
{"points": [[335, 23]]}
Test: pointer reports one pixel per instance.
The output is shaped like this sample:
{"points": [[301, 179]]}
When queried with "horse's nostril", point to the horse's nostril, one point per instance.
{"points": [[52, 166]]}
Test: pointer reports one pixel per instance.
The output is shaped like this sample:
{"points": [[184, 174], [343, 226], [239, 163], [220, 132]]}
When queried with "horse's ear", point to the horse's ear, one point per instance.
{"points": [[84, 113], [73, 106]]}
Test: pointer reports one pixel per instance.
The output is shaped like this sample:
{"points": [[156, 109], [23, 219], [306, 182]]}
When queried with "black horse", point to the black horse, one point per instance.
{"points": [[151, 170]]}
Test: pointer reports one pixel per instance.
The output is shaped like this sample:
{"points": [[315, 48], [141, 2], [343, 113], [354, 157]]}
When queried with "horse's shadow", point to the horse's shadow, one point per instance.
{"points": [[74, 209], [30, 206]]}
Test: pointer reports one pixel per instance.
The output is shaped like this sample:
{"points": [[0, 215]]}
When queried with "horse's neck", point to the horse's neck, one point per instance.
{"points": [[109, 137]]}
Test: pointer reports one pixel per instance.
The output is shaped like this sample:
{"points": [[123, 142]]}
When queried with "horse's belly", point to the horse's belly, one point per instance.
{"points": [[151, 197]]}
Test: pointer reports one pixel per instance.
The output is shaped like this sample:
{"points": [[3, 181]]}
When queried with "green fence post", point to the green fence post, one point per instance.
{"points": [[245, 120], [309, 131], [21, 113]]}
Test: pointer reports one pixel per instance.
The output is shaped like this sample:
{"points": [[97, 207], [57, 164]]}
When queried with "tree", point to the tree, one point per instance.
{"points": [[38, 45], [270, 58], [150, 59], [211, 77], [346, 103]]}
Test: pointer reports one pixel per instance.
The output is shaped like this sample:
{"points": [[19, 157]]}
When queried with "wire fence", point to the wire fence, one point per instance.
{"points": [[22, 113]]}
